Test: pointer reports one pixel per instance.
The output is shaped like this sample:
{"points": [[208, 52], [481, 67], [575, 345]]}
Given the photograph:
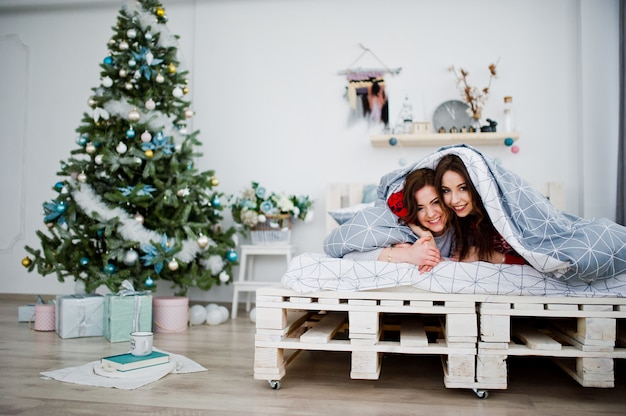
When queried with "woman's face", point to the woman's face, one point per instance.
{"points": [[456, 193], [430, 212]]}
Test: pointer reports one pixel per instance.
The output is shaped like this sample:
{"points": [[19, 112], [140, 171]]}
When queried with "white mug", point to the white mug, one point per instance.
{"points": [[141, 343]]}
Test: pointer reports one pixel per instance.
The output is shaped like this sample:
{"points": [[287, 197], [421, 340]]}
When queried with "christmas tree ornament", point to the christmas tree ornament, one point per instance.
{"points": [[81, 177], [131, 33], [203, 241], [216, 202], [214, 181], [186, 90], [121, 148], [171, 68], [173, 265], [134, 115], [90, 148], [109, 268], [91, 102], [130, 257], [149, 154], [27, 261], [84, 261], [107, 82], [132, 63], [130, 133], [160, 11], [98, 159], [150, 104], [214, 317], [146, 136], [123, 46], [224, 311], [108, 60], [81, 140], [197, 315], [231, 255], [149, 58], [138, 160], [177, 92], [253, 315], [112, 42], [139, 218], [122, 73], [159, 78], [58, 186], [148, 36], [128, 86], [188, 113], [224, 277], [149, 282]]}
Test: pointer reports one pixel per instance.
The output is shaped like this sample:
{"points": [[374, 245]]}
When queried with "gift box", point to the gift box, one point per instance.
{"points": [[26, 313], [124, 314], [79, 316]]}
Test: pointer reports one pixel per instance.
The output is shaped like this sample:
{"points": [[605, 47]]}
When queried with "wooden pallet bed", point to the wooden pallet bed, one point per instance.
{"points": [[473, 333]]}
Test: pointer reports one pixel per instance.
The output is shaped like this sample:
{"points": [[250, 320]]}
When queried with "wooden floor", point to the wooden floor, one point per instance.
{"points": [[317, 383]]}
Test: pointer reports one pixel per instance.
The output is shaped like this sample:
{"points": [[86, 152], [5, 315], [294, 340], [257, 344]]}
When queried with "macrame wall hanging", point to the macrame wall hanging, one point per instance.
{"points": [[366, 88]]}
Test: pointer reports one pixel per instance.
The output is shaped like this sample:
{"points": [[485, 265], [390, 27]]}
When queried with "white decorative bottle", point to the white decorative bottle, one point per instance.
{"points": [[508, 122]]}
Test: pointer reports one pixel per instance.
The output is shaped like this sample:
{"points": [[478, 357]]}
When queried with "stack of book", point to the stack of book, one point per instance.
{"points": [[128, 362]]}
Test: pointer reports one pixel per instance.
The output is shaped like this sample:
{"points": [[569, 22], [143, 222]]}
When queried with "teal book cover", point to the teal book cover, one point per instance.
{"points": [[125, 362]]}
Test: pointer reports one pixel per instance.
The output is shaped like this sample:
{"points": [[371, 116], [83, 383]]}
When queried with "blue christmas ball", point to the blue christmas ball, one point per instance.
{"points": [[100, 232], [130, 133], [216, 201], [61, 207], [81, 140], [508, 141], [84, 261], [58, 186], [393, 141], [108, 60], [232, 255], [149, 282], [109, 268]]}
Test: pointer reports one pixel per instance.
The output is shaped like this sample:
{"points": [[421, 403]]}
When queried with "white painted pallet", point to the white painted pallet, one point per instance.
{"points": [[360, 323], [580, 334]]}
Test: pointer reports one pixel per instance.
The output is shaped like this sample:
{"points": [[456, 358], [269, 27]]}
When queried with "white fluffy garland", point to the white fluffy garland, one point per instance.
{"points": [[131, 229], [156, 119]]}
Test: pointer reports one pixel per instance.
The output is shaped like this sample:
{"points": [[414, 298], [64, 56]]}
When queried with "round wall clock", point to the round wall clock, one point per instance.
{"points": [[452, 115]]}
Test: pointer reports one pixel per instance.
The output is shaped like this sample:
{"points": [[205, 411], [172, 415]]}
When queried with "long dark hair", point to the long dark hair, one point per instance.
{"points": [[476, 229]]}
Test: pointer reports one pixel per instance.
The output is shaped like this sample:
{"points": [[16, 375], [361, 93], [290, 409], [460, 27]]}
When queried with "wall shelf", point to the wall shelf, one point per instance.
{"points": [[441, 139]]}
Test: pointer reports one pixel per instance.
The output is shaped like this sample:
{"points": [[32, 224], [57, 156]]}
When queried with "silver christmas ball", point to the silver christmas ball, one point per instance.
{"points": [[130, 257]]}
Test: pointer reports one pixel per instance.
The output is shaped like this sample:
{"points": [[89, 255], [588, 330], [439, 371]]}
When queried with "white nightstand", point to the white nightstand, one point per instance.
{"points": [[244, 281]]}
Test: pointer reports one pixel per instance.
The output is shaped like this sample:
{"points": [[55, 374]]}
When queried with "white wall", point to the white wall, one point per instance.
{"points": [[270, 104]]}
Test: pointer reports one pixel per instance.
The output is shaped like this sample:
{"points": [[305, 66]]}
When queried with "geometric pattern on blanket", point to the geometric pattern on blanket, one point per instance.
{"points": [[314, 272], [556, 243]]}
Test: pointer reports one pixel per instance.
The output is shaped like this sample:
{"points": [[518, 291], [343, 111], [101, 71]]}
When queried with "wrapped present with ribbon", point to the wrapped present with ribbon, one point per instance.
{"points": [[79, 316], [127, 311]]}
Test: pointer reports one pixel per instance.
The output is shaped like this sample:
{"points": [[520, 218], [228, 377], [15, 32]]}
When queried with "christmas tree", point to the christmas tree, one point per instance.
{"points": [[132, 205]]}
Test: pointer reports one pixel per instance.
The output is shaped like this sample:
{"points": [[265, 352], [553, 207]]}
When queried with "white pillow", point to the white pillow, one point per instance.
{"points": [[344, 214]]}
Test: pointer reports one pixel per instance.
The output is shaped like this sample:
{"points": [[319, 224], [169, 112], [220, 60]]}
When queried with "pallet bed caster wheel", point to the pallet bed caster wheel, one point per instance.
{"points": [[481, 394], [274, 384]]}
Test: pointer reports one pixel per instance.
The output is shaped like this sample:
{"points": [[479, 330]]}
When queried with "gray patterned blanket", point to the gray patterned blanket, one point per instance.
{"points": [[557, 244]]}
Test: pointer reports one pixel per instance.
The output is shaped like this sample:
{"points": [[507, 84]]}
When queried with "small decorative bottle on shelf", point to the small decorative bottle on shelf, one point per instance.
{"points": [[508, 120]]}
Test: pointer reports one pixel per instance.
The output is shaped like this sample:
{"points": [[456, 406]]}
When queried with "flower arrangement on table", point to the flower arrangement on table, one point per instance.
{"points": [[474, 97], [256, 208]]}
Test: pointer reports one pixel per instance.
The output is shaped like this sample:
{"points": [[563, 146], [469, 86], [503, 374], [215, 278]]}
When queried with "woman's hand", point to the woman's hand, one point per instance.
{"points": [[423, 253]]}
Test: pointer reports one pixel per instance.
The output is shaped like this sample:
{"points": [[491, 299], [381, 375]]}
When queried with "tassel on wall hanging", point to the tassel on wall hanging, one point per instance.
{"points": [[366, 88]]}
